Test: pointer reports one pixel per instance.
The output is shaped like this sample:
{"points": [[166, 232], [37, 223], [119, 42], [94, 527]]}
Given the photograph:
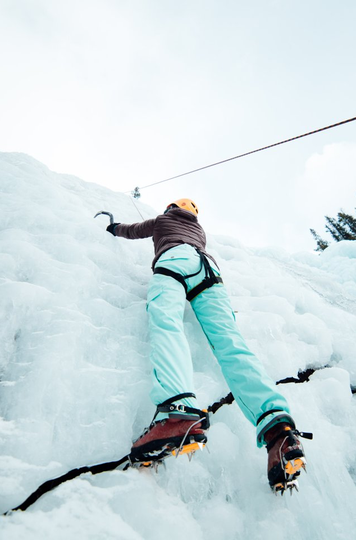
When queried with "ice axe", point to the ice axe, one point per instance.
{"points": [[107, 214]]}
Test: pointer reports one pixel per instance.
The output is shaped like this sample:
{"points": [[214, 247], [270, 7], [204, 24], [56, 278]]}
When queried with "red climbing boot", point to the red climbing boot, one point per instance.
{"points": [[285, 456], [172, 435]]}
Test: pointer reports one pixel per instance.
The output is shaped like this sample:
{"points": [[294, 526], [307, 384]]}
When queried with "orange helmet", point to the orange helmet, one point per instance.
{"points": [[185, 204]]}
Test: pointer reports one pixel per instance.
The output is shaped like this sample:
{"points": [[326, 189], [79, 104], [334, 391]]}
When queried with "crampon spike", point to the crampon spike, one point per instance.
{"points": [[148, 464], [284, 486], [188, 449]]}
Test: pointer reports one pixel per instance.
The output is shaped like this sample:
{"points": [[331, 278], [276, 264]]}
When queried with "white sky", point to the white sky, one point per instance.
{"points": [[126, 93]]}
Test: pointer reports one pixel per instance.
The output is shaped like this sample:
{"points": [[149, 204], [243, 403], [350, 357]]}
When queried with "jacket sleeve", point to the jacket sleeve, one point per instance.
{"points": [[136, 230]]}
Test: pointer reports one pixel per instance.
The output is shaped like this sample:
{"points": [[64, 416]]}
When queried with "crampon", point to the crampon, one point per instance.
{"points": [[183, 432], [291, 472], [159, 458], [286, 457]]}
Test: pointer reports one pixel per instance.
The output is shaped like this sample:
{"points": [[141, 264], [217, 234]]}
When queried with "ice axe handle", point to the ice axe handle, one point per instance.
{"points": [[107, 214]]}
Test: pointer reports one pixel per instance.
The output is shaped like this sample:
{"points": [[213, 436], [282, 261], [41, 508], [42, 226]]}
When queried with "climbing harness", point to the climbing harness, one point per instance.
{"points": [[209, 280]]}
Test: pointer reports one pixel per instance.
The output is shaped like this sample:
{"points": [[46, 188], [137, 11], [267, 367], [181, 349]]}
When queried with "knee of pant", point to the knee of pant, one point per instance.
{"points": [[228, 345]]}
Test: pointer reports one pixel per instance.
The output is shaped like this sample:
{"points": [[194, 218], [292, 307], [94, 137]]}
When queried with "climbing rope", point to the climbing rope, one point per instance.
{"points": [[136, 192], [133, 202]]}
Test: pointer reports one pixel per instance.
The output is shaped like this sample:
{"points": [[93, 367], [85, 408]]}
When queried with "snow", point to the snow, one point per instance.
{"points": [[75, 376]]}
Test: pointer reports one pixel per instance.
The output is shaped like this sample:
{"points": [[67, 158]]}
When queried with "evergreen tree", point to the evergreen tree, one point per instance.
{"points": [[341, 228], [322, 244]]}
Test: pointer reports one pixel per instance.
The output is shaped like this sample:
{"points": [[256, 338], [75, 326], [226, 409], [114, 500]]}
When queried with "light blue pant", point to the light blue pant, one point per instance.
{"points": [[253, 390]]}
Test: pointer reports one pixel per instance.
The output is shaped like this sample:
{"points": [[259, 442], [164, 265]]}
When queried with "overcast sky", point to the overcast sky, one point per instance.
{"points": [[127, 93]]}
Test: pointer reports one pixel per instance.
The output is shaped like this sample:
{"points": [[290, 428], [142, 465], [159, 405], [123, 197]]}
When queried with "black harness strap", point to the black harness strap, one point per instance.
{"points": [[209, 280], [205, 284], [174, 275]]}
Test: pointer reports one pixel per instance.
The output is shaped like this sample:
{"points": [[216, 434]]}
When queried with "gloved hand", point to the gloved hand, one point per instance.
{"points": [[110, 228]]}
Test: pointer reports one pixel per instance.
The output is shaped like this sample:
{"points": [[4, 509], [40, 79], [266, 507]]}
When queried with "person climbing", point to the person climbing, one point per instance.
{"points": [[182, 269]]}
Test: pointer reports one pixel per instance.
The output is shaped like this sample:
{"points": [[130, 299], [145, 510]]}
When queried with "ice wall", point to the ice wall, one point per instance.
{"points": [[75, 376]]}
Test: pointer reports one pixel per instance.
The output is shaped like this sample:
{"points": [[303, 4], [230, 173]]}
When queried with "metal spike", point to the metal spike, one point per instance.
{"points": [[288, 485], [155, 465]]}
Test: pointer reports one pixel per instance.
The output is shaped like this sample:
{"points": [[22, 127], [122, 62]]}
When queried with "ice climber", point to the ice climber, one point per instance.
{"points": [[183, 270]]}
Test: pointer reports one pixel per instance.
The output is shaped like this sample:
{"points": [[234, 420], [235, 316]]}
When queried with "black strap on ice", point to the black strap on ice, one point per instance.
{"points": [[227, 400], [74, 473], [209, 280], [230, 399]]}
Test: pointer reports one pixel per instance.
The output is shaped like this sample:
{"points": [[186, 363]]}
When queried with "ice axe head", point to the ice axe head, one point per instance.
{"points": [[107, 214]]}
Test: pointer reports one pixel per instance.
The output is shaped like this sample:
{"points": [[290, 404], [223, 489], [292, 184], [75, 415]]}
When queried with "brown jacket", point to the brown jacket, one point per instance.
{"points": [[168, 230]]}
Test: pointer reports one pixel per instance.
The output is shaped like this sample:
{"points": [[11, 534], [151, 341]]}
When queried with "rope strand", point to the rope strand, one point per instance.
{"points": [[250, 152], [143, 219]]}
